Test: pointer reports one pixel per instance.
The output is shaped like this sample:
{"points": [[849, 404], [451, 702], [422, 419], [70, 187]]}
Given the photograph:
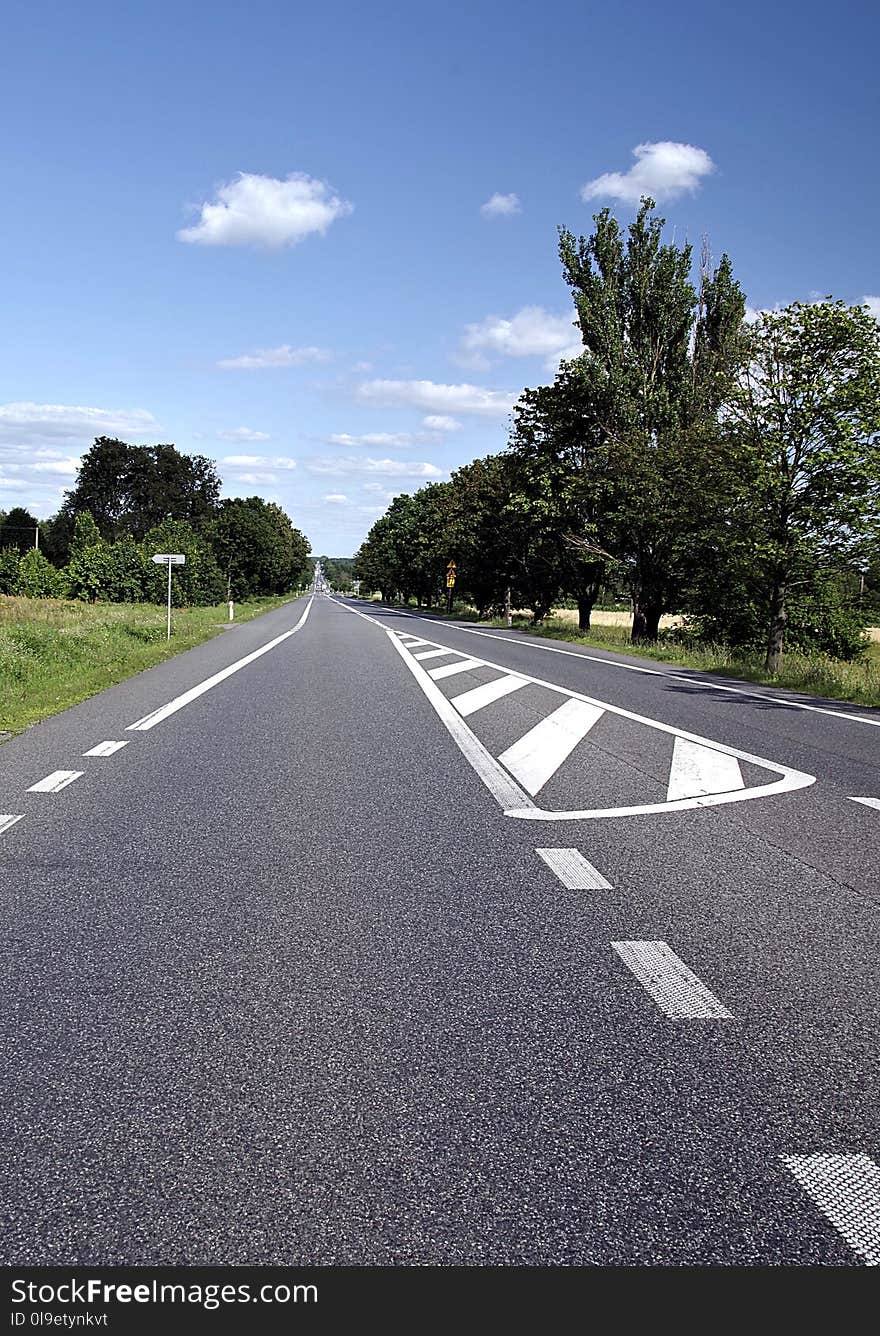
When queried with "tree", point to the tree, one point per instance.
{"points": [[132, 488], [657, 361], [19, 529], [257, 548], [199, 581], [805, 406]]}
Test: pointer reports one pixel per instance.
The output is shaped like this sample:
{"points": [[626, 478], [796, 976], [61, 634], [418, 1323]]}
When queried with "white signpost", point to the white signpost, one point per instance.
{"points": [[169, 559]]}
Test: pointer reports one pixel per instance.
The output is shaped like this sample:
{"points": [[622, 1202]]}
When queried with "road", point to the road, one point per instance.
{"points": [[304, 973]]}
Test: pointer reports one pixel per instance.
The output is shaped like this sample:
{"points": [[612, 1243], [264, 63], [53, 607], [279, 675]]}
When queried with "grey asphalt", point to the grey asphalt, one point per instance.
{"points": [[282, 983]]}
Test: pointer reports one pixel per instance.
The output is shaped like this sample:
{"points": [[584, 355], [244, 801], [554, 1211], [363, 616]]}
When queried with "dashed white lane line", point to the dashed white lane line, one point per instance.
{"points": [[54, 783], [846, 1188], [105, 748], [677, 991], [573, 870], [468, 702], [699, 770], [156, 716], [450, 669], [7, 820], [538, 754], [867, 802], [434, 654]]}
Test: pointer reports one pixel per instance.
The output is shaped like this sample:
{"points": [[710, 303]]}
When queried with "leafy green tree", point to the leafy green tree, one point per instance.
{"points": [[18, 529], [10, 559], [132, 488], [805, 406], [38, 578], [257, 548], [658, 359], [198, 581]]}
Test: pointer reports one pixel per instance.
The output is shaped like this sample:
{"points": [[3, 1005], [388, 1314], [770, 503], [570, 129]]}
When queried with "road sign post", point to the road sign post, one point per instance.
{"points": [[169, 559], [450, 585]]}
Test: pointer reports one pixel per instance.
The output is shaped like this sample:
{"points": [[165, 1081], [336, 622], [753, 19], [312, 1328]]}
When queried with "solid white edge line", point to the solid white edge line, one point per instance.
{"points": [[493, 775], [7, 819], [156, 716], [655, 672], [791, 780]]}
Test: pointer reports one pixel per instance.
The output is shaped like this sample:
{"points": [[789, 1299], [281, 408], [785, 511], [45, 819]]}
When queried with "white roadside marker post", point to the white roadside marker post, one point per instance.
{"points": [[169, 559], [230, 610]]}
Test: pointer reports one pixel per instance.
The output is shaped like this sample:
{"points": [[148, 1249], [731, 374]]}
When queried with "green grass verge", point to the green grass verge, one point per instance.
{"points": [[55, 653], [815, 675]]}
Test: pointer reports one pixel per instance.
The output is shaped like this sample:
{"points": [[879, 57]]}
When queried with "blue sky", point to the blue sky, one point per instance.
{"points": [[298, 192]]}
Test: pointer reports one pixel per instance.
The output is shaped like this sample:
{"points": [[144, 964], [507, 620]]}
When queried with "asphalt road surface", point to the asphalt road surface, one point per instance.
{"points": [[413, 942]]}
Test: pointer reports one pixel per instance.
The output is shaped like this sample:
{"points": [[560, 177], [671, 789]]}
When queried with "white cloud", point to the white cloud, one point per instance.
{"points": [[359, 464], [67, 467], [380, 439], [500, 206], [257, 461], [274, 357], [439, 422], [33, 424], [257, 210], [873, 305], [530, 332], [431, 397], [336, 498], [243, 434], [663, 170]]}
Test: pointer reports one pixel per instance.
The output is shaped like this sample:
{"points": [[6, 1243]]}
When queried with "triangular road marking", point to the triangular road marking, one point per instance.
{"points": [[698, 770]]}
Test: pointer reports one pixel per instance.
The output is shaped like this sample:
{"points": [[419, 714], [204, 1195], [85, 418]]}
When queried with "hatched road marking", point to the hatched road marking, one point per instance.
{"points": [[705, 773], [538, 754]]}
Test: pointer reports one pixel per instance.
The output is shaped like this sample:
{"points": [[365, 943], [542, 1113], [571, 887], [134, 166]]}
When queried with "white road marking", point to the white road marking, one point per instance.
{"points": [[433, 654], [468, 702], [54, 783], [788, 782], [677, 991], [653, 672], [412, 641], [846, 1188], [7, 820], [450, 669], [105, 749], [573, 870], [538, 754], [867, 802], [156, 716], [494, 776], [697, 770]]}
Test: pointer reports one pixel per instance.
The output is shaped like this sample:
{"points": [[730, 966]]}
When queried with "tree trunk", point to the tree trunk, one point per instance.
{"points": [[647, 612], [778, 619], [586, 598], [539, 612]]}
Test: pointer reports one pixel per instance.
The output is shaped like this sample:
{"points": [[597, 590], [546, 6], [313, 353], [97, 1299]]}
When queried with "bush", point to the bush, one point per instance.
{"points": [[38, 578], [9, 562]]}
